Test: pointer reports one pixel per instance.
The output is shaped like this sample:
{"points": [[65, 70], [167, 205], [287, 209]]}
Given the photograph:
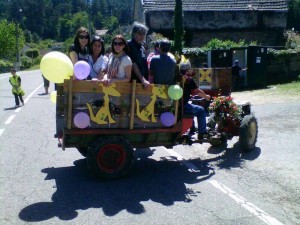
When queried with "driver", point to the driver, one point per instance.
{"points": [[190, 87]]}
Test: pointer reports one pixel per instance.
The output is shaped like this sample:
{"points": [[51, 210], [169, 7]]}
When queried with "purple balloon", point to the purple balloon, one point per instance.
{"points": [[167, 119], [81, 70], [81, 120]]}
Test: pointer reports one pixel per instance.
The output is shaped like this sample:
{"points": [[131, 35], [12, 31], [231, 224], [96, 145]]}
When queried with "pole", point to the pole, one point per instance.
{"points": [[17, 43], [18, 64]]}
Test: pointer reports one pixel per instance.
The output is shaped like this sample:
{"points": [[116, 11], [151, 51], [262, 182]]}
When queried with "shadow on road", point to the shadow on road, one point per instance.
{"points": [[10, 108], [159, 181]]}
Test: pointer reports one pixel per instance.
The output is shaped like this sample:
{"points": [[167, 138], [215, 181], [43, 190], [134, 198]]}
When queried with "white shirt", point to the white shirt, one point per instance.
{"points": [[101, 63], [126, 61]]}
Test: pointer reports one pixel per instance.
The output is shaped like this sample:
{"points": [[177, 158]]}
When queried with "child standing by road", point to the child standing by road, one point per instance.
{"points": [[17, 91]]}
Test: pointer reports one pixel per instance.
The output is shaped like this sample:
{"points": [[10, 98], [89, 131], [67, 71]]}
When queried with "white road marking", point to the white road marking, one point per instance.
{"points": [[1, 132], [10, 118], [29, 96], [265, 217]]}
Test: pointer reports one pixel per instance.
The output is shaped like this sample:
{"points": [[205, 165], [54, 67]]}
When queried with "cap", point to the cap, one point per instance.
{"points": [[236, 61]]}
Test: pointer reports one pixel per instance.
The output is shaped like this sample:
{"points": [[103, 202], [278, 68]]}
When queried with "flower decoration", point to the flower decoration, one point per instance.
{"points": [[223, 107]]}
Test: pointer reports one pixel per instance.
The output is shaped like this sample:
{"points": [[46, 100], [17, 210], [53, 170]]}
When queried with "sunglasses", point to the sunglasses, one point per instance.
{"points": [[118, 43], [83, 37]]}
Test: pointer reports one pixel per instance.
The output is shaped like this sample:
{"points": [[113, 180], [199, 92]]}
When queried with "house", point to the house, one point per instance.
{"points": [[263, 21]]}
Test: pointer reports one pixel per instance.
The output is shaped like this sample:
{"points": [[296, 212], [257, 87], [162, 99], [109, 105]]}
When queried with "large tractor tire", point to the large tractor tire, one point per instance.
{"points": [[110, 158], [248, 133]]}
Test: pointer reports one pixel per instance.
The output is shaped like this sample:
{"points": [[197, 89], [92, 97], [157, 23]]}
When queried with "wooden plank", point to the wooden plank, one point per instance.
{"points": [[132, 104], [70, 98], [176, 128], [87, 86]]}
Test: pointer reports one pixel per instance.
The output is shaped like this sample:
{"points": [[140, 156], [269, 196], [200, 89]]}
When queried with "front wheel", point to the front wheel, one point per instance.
{"points": [[248, 132], [110, 157]]}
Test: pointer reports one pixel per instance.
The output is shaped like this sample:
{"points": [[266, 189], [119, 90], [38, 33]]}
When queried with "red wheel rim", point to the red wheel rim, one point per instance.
{"points": [[111, 158]]}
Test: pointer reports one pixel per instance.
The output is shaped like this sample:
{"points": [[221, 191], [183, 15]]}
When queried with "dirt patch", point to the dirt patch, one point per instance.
{"points": [[270, 95]]}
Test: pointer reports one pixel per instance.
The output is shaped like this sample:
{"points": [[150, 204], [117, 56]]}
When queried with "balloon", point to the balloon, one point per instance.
{"points": [[175, 92], [167, 119], [56, 67], [53, 96], [81, 70], [81, 120]]}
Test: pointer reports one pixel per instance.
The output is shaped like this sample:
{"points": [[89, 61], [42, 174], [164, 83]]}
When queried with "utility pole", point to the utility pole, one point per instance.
{"points": [[18, 63]]}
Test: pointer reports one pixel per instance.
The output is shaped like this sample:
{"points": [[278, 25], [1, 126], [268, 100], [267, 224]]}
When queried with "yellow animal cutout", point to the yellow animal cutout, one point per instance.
{"points": [[157, 91], [104, 111], [205, 75]]}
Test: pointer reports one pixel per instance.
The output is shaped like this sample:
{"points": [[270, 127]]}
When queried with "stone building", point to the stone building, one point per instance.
{"points": [[263, 21]]}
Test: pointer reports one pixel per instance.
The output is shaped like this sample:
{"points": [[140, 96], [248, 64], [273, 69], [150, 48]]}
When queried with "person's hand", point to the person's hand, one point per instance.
{"points": [[146, 84], [207, 97]]}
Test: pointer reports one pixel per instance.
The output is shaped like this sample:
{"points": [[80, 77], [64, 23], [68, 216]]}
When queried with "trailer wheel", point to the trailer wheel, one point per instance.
{"points": [[110, 157], [248, 132]]}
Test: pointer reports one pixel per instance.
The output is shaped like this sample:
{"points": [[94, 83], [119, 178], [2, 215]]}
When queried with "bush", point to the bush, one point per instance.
{"points": [[26, 62], [5, 66], [32, 53]]}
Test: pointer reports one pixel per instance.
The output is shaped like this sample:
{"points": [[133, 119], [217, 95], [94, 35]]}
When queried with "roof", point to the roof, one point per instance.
{"points": [[101, 32], [217, 5]]}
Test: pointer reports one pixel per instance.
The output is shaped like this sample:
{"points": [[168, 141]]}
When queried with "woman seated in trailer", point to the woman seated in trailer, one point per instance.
{"points": [[97, 60], [119, 64]]}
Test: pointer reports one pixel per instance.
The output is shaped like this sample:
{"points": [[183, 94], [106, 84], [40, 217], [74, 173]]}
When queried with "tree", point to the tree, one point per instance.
{"points": [[8, 40], [178, 27], [293, 19]]}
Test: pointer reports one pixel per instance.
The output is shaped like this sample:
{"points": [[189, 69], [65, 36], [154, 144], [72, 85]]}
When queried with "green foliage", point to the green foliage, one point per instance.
{"points": [[215, 44], [32, 53], [178, 27], [26, 62], [279, 53], [60, 19], [5, 66], [194, 51], [293, 18], [8, 40]]}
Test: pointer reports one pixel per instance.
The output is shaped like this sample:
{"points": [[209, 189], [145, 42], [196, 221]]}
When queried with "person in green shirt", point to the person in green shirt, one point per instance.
{"points": [[17, 91]]}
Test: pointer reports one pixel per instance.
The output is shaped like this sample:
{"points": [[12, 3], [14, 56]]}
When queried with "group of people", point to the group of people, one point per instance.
{"points": [[128, 61]]}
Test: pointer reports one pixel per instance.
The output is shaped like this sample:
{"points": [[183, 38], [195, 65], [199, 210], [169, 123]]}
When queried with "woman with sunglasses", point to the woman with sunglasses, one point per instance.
{"points": [[80, 48], [97, 59], [119, 64]]}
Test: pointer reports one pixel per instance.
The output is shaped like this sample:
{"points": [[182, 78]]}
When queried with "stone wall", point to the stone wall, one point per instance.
{"points": [[266, 37]]}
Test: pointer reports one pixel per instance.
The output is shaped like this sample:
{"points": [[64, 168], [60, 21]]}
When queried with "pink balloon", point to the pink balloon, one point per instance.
{"points": [[81, 70], [167, 119], [81, 120]]}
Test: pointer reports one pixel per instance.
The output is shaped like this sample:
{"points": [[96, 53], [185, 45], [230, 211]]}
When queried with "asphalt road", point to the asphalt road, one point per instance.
{"points": [[41, 184]]}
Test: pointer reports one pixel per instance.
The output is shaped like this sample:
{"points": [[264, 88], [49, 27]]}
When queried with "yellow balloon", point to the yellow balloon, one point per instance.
{"points": [[56, 67], [53, 96]]}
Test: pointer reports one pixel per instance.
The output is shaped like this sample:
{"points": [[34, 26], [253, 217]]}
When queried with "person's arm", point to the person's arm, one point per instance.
{"points": [[74, 57], [201, 94], [136, 70]]}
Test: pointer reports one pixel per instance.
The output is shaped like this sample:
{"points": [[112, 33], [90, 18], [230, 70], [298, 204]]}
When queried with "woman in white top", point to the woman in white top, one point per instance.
{"points": [[119, 63], [97, 59]]}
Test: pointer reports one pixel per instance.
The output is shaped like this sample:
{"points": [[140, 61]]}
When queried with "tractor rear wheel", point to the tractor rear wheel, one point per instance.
{"points": [[110, 157]]}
